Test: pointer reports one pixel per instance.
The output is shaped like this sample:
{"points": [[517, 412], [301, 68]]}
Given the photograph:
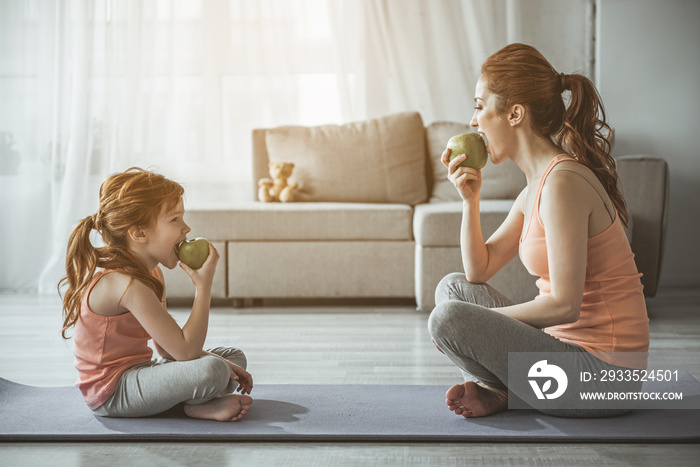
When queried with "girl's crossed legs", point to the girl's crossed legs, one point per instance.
{"points": [[203, 384]]}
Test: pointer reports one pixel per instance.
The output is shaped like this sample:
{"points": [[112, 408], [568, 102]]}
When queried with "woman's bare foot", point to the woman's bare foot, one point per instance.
{"points": [[472, 399], [229, 408]]}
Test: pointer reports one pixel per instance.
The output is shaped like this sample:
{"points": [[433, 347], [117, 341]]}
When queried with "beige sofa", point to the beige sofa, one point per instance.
{"points": [[377, 217]]}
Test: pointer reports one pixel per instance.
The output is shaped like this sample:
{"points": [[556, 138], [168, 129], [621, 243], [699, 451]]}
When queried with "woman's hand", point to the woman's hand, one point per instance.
{"points": [[466, 180], [203, 277], [245, 380]]}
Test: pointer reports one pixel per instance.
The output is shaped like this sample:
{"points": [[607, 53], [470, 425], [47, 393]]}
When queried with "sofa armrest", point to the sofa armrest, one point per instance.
{"points": [[645, 186]]}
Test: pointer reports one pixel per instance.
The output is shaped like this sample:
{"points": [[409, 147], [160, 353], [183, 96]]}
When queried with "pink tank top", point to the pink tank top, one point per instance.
{"points": [[105, 347], [613, 314]]}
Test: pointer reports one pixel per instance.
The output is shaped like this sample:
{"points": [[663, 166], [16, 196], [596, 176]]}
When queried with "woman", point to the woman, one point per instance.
{"points": [[566, 225]]}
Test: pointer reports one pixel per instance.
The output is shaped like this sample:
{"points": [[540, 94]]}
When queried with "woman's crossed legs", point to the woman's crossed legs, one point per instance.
{"points": [[478, 340]]}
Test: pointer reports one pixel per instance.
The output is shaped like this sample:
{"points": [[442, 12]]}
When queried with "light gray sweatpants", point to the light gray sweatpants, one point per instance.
{"points": [[156, 386], [478, 339]]}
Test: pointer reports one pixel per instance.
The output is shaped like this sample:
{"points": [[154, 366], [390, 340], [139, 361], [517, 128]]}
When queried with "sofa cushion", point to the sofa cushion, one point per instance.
{"points": [[321, 269], [303, 221], [439, 224], [373, 161], [503, 181]]}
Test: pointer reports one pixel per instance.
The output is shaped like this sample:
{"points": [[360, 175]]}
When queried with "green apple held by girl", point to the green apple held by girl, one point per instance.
{"points": [[193, 252]]}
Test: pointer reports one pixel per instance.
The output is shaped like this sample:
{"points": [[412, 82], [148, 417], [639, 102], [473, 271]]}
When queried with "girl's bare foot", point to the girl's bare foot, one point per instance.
{"points": [[229, 408], [472, 399]]}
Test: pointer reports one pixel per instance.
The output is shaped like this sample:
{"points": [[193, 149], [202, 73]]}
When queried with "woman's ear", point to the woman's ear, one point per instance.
{"points": [[516, 115], [138, 234]]}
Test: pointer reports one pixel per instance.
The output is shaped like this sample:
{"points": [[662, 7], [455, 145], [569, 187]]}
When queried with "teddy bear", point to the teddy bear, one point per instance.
{"points": [[277, 188]]}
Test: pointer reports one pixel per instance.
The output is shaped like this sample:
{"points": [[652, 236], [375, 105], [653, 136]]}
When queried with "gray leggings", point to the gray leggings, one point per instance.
{"points": [[478, 339], [156, 386]]}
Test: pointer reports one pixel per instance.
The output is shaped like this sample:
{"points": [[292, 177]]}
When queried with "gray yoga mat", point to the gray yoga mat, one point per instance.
{"points": [[328, 413]]}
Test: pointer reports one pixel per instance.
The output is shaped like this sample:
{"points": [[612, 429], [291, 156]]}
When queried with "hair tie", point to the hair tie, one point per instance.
{"points": [[564, 82], [97, 222]]}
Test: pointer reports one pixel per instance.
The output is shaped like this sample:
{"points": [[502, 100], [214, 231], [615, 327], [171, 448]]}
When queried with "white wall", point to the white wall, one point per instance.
{"points": [[562, 30], [648, 72]]}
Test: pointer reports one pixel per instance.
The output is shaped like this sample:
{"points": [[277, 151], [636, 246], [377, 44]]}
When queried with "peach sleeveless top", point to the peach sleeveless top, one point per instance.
{"points": [[613, 314], [105, 347]]}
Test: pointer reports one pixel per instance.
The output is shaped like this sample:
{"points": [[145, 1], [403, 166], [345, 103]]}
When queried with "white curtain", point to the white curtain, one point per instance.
{"points": [[88, 88]]}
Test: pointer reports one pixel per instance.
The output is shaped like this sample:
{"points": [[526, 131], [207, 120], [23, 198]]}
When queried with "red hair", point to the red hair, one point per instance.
{"points": [[519, 74], [133, 198]]}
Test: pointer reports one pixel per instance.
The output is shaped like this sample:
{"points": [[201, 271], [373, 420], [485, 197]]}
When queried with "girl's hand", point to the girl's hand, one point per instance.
{"points": [[465, 179], [203, 277], [245, 380]]}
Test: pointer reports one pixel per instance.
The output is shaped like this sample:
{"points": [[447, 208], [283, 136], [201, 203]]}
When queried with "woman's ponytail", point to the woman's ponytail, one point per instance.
{"points": [[519, 74], [81, 263], [585, 134]]}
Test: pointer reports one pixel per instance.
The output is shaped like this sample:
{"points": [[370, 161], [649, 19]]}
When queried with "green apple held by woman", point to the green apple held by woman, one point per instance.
{"points": [[193, 252], [471, 144]]}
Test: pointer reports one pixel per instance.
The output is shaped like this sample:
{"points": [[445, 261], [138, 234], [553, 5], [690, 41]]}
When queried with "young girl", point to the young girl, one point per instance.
{"points": [[116, 301], [567, 227]]}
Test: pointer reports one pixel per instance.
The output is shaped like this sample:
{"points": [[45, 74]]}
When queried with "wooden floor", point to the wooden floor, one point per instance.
{"points": [[322, 344]]}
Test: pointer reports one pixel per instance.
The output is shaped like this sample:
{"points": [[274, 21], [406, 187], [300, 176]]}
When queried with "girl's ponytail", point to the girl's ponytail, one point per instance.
{"points": [[585, 134], [81, 263]]}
